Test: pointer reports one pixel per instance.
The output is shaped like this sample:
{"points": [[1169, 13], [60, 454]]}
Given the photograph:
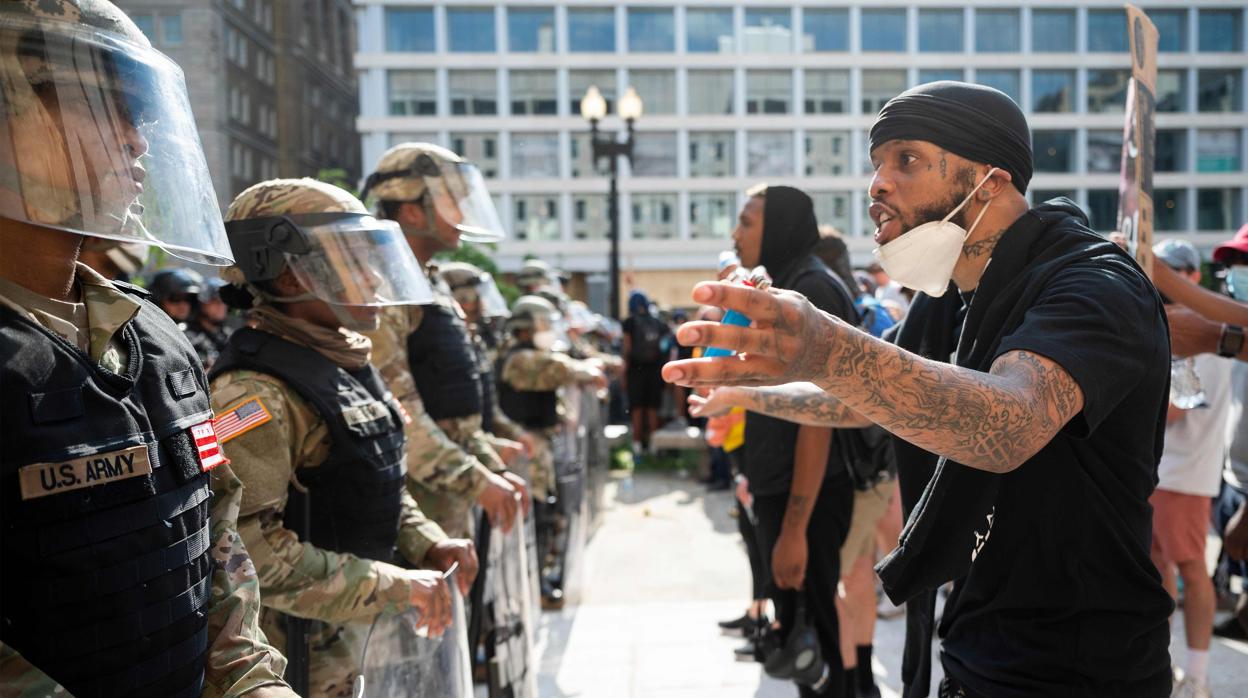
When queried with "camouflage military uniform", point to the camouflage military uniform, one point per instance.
{"points": [[240, 659]]}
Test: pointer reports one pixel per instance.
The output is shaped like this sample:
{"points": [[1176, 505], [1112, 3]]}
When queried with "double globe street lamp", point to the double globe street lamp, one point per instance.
{"points": [[594, 109]]}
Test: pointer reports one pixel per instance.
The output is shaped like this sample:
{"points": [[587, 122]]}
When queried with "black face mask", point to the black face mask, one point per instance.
{"points": [[799, 658]]}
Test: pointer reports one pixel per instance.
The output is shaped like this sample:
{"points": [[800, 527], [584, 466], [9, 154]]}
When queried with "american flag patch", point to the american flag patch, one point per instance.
{"points": [[241, 418], [210, 455]]}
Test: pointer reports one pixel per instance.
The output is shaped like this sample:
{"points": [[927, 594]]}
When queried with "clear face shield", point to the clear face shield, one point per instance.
{"points": [[493, 305], [460, 198], [97, 138]]}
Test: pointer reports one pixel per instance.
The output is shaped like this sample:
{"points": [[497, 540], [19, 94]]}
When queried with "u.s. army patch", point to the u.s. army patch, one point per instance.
{"points": [[240, 419], [43, 479]]}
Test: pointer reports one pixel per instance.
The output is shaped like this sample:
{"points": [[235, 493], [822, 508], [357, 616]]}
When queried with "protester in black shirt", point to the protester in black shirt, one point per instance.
{"points": [[1035, 452], [647, 346]]}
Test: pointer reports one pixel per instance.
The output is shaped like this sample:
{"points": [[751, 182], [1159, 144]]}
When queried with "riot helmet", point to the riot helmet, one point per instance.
{"points": [[537, 317], [176, 291], [474, 289], [534, 275]]}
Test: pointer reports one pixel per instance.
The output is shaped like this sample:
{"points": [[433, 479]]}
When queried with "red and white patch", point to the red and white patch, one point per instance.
{"points": [[210, 455]]}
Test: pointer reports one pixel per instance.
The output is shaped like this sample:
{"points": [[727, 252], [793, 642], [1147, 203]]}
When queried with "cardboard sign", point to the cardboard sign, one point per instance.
{"points": [[1135, 188]]}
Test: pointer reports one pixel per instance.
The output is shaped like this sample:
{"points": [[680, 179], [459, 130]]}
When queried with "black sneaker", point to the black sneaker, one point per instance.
{"points": [[747, 652], [1231, 629], [736, 626]]}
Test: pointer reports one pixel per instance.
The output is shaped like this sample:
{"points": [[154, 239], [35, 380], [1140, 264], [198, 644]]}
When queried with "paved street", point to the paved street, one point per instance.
{"points": [[665, 565]]}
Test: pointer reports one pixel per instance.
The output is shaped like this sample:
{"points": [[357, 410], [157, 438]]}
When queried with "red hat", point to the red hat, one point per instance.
{"points": [[1239, 243]]}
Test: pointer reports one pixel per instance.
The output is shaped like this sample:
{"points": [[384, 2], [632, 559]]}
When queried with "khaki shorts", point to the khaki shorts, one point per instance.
{"points": [[869, 507]]}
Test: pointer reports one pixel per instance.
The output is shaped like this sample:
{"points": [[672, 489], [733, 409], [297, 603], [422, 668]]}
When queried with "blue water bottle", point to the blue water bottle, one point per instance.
{"points": [[757, 278]]}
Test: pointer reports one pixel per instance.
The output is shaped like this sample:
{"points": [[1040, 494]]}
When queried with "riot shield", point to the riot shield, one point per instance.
{"points": [[533, 561], [399, 660], [597, 453], [572, 531], [512, 662]]}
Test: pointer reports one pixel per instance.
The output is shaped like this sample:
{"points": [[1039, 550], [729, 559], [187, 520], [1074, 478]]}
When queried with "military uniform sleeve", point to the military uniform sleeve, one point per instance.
{"points": [[504, 427], [295, 577], [436, 461], [417, 532], [545, 371], [21, 679]]}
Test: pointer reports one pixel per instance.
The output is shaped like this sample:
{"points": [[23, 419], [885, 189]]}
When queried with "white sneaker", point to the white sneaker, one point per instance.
{"points": [[1191, 687]]}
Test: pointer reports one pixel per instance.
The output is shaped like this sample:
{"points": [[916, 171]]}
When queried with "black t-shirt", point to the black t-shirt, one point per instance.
{"points": [[647, 335], [770, 443], [1063, 580]]}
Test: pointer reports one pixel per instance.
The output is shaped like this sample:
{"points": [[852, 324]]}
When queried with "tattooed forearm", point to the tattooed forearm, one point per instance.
{"points": [[797, 512], [803, 403]]}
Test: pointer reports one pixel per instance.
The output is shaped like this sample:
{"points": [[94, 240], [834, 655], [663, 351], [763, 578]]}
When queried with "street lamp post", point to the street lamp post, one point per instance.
{"points": [[594, 108]]}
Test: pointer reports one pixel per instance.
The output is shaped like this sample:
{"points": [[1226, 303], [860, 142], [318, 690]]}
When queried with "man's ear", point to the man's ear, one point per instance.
{"points": [[997, 183], [412, 213]]}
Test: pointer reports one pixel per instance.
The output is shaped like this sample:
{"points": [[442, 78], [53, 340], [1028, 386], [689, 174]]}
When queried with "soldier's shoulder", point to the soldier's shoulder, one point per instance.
{"points": [[237, 386]]}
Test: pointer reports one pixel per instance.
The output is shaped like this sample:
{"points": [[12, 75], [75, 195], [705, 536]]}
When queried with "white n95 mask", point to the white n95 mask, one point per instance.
{"points": [[923, 258]]}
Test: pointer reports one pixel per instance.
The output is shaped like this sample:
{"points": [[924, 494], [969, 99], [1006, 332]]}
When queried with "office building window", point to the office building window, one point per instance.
{"points": [[712, 215], [827, 153], [709, 31], [1105, 151], [1008, 81], [1103, 209], [536, 216], [579, 81], [412, 92], [769, 154], [654, 216], [1107, 31], [409, 30], [589, 217], [1217, 150], [1171, 92], [883, 30], [997, 31], [583, 164], [941, 31], [710, 92], [938, 74], [832, 208], [879, 86], [768, 91], [1052, 90], [1172, 25], [651, 30], [1217, 209], [1053, 31], [534, 155], [1168, 211], [1220, 30], [654, 154], [480, 148], [768, 31], [171, 28], [533, 92], [1053, 151], [146, 24], [1107, 90], [409, 137], [712, 154], [825, 30], [657, 89], [1218, 90], [470, 30], [530, 30], [827, 91], [1170, 154], [591, 30], [473, 92]]}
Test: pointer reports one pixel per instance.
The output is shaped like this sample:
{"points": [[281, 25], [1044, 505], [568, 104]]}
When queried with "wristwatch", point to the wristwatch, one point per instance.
{"points": [[1231, 341]]}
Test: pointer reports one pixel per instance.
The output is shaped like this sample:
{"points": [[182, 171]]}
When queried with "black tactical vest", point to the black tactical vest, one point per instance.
{"points": [[353, 497], [104, 525], [531, 409], [444, 365]]}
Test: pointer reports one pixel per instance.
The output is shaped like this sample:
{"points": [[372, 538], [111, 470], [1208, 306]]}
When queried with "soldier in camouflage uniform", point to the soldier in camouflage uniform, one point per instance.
{"points": [[106, 382], [317, 439]]}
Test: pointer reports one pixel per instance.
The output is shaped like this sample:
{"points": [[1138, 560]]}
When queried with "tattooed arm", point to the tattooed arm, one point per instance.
{"points": [[802, 403]]}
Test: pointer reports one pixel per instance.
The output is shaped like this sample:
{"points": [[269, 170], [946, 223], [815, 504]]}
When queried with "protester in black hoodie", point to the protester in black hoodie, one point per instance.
{"points": [[802, 493], [1028, 405]]}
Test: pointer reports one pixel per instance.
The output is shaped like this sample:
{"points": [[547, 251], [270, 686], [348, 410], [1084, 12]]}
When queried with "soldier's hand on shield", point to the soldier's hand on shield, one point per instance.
{"points": [[499, 502], [529, 441], [431, 597], [510, 451], [789, 340], [522, 490], [447, 553]]}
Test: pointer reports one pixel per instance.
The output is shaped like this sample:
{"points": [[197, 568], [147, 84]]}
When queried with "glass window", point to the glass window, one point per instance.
{"points": [[1168, 212], [408, 137], [473, 92], [534, 155], [654, 216], [583, 164], [768, 91], [1053, 151], [940, 30], [1103, 209], [1172, 25], [712, 215], [470, 30], [827, 153], [769, 154], [884, 30], [832, 208], [412, 92], [536, 216], [581, 80], [533, 92], [531, 30], [710, 92], [768, 31], [1107, 90], [654, 155], [1105, 151], [146, 24], [1053, 31], [996, 31], [1052, 90], [657, 89], [591, 30], [1171, 92], [879, 86], [1171, 150], [825, 30], [1217, 209], [938, 74], [589, 217], [480, 148], [709, 31], [651, 30], [1008, 81], [409, 30], [1217, 150], [712, 154], [1107, 31], [171, 28], [1220, 30], [827, 91], [1217, 90]]}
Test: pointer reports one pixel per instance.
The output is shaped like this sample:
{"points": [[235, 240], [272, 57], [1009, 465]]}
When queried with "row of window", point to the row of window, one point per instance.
{"points": [[163, 29], [713, 92], [772, 30]]}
